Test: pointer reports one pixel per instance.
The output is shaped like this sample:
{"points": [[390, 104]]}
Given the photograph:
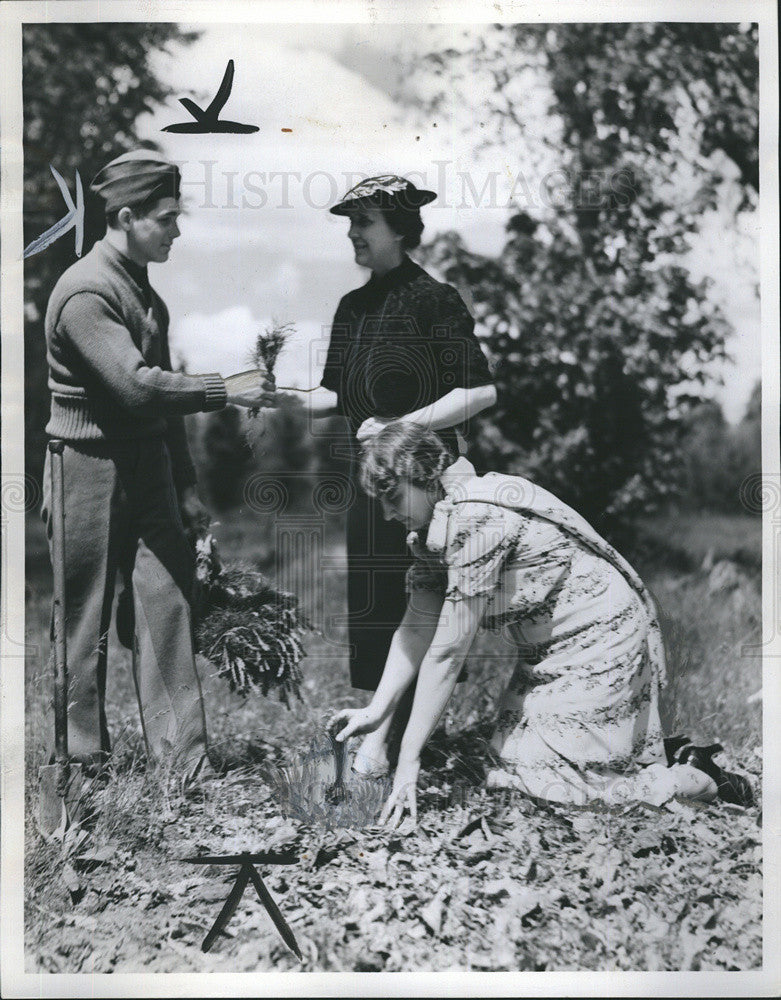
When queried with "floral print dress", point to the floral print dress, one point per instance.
{"points": [[580, 718]]}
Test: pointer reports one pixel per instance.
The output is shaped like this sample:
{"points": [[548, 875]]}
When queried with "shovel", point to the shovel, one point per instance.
{"points": [[62, 783], [337, 793]]}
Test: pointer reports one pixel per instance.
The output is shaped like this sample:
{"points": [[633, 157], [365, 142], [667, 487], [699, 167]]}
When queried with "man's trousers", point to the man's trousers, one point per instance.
{"points": [[121, 511]]}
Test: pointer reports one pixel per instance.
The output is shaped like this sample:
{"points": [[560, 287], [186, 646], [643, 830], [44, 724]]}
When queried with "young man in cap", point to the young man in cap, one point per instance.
{"points": [[129, 478]]}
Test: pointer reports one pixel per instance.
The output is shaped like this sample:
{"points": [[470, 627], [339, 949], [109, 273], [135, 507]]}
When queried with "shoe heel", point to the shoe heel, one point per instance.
{"points": [[732, 788], [671, 747], [701, 757]]}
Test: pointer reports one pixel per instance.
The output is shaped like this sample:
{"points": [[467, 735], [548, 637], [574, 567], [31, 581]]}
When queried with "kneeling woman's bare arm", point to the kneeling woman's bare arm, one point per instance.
{"points": [[411, 641], [455, 632]]}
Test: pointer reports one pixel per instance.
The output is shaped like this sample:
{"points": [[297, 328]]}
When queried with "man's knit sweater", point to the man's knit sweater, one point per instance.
{"points": [[109, 362]]}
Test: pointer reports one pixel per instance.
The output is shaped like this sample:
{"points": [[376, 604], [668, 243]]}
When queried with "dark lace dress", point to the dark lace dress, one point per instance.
{"points": [[398, 343]]}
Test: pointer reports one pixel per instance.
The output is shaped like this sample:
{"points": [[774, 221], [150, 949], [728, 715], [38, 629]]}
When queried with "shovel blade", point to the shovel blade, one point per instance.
{"points": [[60, 802]]}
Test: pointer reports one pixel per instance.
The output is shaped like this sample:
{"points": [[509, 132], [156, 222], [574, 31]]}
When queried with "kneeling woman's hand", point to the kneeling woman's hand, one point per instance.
{"points": [[347, 722], [403, 794]]}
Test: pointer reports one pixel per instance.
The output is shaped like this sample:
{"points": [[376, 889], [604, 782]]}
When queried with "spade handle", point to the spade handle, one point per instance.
{"points": [[56, 449]]}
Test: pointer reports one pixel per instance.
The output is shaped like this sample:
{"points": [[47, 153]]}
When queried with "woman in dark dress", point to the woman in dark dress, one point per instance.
{"points": [[402, 347]]}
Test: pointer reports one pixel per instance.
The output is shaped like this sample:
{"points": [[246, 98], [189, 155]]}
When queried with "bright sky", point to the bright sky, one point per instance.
{"points": [[257, 240]]}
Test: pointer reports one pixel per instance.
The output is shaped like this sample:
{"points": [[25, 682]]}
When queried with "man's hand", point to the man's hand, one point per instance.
{"points": [[371, 427], [195, 516], [253, 389], [403, 795]]}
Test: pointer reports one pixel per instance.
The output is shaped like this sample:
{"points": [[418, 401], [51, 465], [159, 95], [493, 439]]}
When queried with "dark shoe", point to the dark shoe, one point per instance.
{"points": [[733, 788], [671, 747]]}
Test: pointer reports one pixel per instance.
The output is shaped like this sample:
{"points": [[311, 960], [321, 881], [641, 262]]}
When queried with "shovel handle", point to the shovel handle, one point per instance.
{"points": [[56, 449]]}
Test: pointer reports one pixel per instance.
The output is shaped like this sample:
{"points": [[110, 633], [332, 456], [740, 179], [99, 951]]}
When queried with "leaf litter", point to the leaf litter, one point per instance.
{"points": [[484, 882]]}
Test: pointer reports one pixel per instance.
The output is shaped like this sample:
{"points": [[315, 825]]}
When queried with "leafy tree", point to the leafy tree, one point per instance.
{"points": [[598, 333], [84, 86], [719, 458], [226, 457], [283, 449]]}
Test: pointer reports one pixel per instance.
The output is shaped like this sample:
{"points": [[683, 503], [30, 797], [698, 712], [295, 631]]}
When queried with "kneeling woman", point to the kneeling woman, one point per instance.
{"points": [[580, 719]]}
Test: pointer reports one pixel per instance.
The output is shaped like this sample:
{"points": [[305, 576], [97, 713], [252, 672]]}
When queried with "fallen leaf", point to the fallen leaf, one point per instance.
{"points": [[499, 886], [99, 855], [357, 901], [432, 913], [210, 892], [592, 941], [376, 860], [583, 822], [644, 843], [296, 913], [521, 900], [471, 827], [477, 854], [686, 812], [285, 832], [71, 879], [476, 839], [692, 944]]}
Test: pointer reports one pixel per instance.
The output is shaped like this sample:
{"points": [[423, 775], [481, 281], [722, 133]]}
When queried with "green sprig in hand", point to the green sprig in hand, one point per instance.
{"points": [[268, 347]]}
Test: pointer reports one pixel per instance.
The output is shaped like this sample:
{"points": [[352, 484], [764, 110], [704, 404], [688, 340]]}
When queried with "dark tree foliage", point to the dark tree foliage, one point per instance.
{"points": [[599, 335], [620, 89], [719, 459], [283, 449], [84, 87], [227, 457]]}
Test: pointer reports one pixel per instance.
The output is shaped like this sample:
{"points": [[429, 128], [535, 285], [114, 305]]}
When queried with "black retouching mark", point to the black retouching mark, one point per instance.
{"points": [[246, 875], [208, 121]]}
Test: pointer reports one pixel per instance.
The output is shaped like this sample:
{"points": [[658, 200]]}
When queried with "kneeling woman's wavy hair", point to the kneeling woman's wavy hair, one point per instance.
{"points": [[403, 451]]}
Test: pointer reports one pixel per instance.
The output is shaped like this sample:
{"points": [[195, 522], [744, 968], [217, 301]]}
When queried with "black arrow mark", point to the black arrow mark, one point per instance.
{"points": [[208, 121]]}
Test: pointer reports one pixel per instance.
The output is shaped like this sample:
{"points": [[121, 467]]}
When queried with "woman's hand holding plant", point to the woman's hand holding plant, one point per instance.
{"points": [[347, 722]]}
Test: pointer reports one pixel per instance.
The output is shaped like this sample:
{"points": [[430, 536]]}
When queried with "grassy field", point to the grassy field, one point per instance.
{"points": [[689, 538], [486, 882]]}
